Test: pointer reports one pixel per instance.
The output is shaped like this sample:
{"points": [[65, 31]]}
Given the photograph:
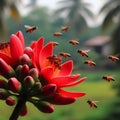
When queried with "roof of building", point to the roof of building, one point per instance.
{"points": [[98, 41]]}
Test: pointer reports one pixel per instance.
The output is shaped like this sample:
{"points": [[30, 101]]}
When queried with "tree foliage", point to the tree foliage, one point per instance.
{"points": [[76, 13], [112, 16]]}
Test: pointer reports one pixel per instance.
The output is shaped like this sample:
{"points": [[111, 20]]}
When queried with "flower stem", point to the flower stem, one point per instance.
{"points": [[15, 113]]}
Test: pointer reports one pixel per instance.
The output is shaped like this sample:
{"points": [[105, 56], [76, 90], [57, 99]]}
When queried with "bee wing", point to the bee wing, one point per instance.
{"points": [[27, 26], [87, 50]]}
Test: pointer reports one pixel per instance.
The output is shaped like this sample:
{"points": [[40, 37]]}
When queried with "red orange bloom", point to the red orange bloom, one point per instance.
{"points": [[34, 74], [11, 51], [52, 74]]}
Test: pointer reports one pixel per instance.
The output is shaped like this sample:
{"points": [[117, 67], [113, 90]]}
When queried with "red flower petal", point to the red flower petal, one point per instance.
{"points": [[45, 52], [39, 45], [66, 68], [49, 89], [47, 73], [6, 58], [62, 100], [76, 82], [15, 47], [37, 50], [33, 44], [62, 81], [71, 94], [21, 37]]}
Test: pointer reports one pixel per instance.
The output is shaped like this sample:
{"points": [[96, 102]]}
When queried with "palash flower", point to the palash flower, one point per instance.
{"points": [[34, 74], [52, 71], [11, 51]]}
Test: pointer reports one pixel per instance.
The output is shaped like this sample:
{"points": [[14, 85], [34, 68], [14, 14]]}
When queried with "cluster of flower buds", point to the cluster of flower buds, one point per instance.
{"points": [[22, 81], [27, 74]]}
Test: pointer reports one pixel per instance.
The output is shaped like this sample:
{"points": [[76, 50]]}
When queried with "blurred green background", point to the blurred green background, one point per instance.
{"points": [[82, 17]]}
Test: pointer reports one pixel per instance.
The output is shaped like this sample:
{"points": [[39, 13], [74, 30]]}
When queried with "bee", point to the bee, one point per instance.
{"points": [[65, 55], [73, 42], [55, 43], [113, 58], [65, 28], [90, 62], [30, 29], [57, 34], [83, 52], [55, 61], [108, 78], [92, 103]]}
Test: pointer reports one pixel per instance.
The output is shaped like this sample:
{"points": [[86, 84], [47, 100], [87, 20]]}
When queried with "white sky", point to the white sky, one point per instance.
{"points": [[96, 5], [53, 3]]}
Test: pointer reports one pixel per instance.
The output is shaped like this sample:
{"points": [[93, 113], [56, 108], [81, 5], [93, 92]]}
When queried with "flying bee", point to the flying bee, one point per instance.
{"points": [[65, 28], [57, 34], [92, 103], [113, 58], [83, 52], [90, 62], [65, 55], [55, 43], [108, 78], [73, 42], [30, 29]]}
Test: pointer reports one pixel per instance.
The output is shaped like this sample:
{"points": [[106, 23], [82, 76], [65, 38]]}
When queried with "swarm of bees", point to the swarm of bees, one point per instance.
{"points": [[63, 29], [56, 61]]}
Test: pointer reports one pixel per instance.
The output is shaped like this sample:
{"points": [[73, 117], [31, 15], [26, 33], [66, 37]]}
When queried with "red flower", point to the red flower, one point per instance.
{"points": [[14, 85], [11, 51], [52, 71], [10, 101]]}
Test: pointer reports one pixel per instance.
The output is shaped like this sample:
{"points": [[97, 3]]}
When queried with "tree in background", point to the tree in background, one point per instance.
{"points": [[112, 16], [76, 13], [7, 6]]}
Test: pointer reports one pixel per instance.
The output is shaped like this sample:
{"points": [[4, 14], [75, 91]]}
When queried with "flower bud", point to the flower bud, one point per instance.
{"points": [[44, 107], [49, 90], [34, 73], [24, 59], [14, 85], [10, 101], [28, 82], [25, 69], [18, 70], [3, 84], [62, 100], [3, 94], [5, 69], [28, 51], [23, 111], [36, 88]]}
